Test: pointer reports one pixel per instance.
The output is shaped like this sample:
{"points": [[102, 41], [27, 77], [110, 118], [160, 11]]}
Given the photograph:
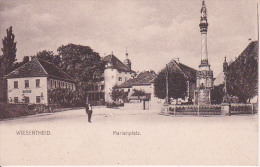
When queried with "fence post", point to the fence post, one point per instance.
{"points": [[174, 109], [252, 108], [198, 108], [226, 109]]}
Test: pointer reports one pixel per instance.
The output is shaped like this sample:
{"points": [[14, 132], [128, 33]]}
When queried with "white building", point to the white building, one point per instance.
{"points": [[144, 81], [115, 73], [30, 83]]}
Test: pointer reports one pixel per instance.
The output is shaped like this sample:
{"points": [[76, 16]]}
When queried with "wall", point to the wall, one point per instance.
{"points": [[146, 88], [31, 92], [192, 87], [111, 77], [61, 84]]}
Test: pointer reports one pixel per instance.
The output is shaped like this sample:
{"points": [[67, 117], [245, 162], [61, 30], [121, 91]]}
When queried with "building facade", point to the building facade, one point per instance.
{"points": [[115, 73], [30, 83], [143, 81], [189, 74]]}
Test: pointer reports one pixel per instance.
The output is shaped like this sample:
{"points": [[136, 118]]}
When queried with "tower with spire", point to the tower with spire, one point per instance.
{"points": [[205, 74], [127, 62]]}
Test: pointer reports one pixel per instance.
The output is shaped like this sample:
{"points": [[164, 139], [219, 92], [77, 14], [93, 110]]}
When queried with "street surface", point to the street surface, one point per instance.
{"points": [[154, 140]]}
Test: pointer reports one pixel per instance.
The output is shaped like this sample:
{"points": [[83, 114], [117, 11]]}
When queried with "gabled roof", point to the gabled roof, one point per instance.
{"points": [[250, 50], [144, 78], [39, 68], [117, 64], [219, 79], [188, 72]]}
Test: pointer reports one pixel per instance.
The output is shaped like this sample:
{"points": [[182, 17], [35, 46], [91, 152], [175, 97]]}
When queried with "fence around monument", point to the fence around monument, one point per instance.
{"points": [[244, 108], [210, 109]]}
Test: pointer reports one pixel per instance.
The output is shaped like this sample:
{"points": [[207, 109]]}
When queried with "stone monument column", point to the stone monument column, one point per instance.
{"points": [[205, 74]]}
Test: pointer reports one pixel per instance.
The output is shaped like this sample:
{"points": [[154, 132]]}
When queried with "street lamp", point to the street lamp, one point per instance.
{"points": [[167, 86]]}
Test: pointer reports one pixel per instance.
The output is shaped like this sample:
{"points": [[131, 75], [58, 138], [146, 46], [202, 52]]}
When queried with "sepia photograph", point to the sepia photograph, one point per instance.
{"points": [[129, 82]]}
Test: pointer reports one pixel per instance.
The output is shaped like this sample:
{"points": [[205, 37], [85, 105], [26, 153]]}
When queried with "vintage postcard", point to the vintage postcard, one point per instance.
{"points": [[129, 82]]}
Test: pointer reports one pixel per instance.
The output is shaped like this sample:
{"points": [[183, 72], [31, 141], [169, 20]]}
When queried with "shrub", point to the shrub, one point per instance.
{"points": [[13, 110]]}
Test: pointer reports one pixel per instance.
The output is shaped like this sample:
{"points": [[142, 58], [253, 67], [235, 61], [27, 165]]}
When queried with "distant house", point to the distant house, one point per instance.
{"points": [[250, 52], [188, 72], [31, 82], [143, 81], [115, 73]]}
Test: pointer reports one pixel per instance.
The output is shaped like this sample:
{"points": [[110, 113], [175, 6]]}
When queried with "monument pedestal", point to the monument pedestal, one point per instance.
{"points": [[202, 97], [225, 109], [165, 109]]}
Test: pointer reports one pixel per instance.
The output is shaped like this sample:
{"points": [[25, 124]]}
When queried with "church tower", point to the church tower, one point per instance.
{"points": [[204, 75], [127, 62]]}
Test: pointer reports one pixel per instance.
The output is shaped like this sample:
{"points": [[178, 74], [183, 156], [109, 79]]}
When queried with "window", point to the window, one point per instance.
{"points": [[69, 86], [51, 83], [66, 85], [58, 84], [63, 84], [38, 99], [55, 84], [120, 78], [37, 83], [15, 84], [26, 83], [15, 99], [102, 87], [26, 99]]}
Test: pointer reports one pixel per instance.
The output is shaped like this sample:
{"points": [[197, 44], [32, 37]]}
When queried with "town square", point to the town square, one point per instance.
{"points": [[163, 140], [129, 82]]}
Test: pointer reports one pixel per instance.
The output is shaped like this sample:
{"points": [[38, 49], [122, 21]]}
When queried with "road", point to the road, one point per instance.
{"points": [[155, 139]]}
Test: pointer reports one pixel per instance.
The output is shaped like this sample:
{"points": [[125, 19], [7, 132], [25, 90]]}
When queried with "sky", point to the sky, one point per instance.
{"points": [[153, 31]]}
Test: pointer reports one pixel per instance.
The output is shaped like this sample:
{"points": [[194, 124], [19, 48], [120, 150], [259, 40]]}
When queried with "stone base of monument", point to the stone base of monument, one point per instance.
{"points": [[202, 97], [165, 109], [225, 109]]}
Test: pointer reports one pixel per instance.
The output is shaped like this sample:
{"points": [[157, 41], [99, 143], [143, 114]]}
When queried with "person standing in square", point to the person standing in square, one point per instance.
{"points": [[89, 111]]}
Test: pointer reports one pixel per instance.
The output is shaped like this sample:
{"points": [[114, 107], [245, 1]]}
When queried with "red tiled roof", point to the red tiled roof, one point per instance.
{"points": [[144, 78], [39, 68], [117, 64]]}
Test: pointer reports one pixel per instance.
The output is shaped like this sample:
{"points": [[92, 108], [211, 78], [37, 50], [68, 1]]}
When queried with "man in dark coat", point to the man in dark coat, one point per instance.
{"points": [[89, 111]]}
